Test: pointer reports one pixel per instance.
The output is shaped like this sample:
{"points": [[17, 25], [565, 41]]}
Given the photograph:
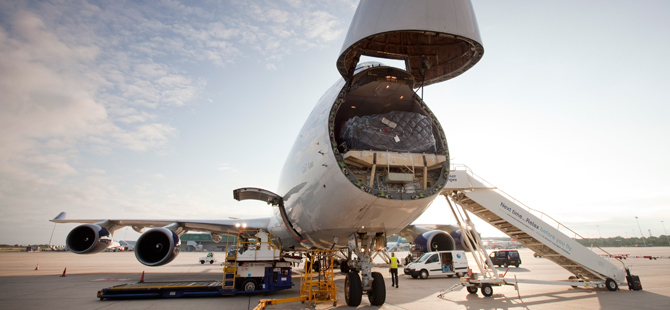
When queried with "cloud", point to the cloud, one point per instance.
{"points": [[226, 167], [82, 79], [322, 26]]}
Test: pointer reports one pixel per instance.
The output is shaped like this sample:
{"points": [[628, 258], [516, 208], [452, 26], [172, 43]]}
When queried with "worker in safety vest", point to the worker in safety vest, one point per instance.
{"points": [[393, 269]]}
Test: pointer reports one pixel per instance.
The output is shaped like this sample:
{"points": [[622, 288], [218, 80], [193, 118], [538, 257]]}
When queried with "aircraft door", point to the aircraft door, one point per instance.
{"points": [[271, 199]]}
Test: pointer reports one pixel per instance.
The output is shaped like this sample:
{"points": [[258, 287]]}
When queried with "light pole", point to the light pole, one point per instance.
{"points": [[641, 234], [666, 233], [601, 236]]}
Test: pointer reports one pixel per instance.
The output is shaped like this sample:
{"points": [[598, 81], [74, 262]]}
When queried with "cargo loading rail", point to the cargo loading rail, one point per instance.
{"points": [[473, 194]]}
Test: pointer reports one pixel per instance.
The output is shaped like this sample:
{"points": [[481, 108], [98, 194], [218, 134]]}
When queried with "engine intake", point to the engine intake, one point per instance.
{"points": [[88, 239], [157, 247], [434, 240]]}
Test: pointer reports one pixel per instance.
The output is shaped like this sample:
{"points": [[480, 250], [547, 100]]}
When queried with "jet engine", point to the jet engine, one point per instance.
{"points": [[157, 247], [434, 240], [460, 241], [88, 239], [445, 238]]}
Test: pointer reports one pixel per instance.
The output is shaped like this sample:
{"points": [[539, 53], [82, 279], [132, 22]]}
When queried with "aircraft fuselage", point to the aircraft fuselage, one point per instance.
{"points": [[321, 198]]}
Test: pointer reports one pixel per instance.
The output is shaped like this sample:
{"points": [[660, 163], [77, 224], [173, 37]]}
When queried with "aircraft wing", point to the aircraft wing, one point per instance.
{"points": [[446, 227], [213, 226]]}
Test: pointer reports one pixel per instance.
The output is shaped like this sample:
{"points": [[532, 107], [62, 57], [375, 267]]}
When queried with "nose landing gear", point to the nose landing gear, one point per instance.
{"points": [[372, 283]]}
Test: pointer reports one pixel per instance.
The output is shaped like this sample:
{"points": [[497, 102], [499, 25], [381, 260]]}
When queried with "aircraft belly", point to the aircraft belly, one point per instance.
{"points": [[347, 209]]}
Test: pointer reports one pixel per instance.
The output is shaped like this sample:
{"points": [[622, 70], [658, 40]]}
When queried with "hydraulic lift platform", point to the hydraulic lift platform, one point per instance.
{"points": [[255, 266]]}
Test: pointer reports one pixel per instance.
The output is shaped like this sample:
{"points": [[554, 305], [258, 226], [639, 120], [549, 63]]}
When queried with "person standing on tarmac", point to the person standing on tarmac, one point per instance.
{"points": [[393, 269]]}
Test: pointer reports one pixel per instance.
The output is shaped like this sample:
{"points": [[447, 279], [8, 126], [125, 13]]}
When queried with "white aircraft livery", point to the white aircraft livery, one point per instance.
{"points": [[369, 160]]}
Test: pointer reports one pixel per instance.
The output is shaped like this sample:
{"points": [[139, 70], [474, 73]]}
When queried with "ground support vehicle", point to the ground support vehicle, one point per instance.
{"points": [[207, 259], [255, 266], [526, 225], [441, 263], [506, 258]]}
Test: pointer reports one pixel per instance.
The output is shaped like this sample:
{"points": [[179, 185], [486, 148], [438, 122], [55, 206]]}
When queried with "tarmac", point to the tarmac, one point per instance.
{"points": [[23, 287]]}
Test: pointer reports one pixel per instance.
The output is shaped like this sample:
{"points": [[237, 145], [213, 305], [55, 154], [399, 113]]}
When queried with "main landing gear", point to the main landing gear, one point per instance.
{"points": [[369, 282]]}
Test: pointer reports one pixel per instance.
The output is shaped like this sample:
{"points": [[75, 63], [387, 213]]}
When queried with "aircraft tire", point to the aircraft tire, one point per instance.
{"points": [[611, 285], [377, 295], [353, 289], [487, 290]]}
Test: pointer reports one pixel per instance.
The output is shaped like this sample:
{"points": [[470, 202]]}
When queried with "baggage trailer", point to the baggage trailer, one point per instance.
{"points": [[253, 266]]}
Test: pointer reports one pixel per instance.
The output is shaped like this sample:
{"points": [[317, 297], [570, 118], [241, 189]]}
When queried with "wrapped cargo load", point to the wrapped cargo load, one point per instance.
{"points": [[395, 131]]}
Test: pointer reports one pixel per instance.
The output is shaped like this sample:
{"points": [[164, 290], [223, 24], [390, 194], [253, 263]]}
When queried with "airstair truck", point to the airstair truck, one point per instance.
{"points": [[532, 228], [254, 265]]}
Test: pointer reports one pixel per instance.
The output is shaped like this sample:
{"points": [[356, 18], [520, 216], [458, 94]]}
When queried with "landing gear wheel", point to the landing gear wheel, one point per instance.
{"points": [[344, 266], [472, 289], [249, 285], [611, 285], [487, 290], [353, 290], [424, 274], [377, 295]]}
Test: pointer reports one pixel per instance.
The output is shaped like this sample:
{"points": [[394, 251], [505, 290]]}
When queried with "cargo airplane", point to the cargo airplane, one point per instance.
{"points": [[369, 160]]}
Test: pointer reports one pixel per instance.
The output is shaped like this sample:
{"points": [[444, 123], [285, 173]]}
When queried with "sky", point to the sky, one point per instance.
{"points": [[159, 109]]}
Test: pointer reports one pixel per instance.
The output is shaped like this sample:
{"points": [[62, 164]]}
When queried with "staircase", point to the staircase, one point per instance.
{"points": [[230, 267], [516, 220]]}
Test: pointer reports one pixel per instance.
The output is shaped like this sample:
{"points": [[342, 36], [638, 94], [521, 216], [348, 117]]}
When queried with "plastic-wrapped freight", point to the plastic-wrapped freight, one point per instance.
{"points": [[395, 131]]}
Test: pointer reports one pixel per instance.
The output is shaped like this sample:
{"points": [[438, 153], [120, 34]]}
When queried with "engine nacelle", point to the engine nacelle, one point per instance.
{"points": [[88, 239], [457, 235], [434, 240], [157, 246]]}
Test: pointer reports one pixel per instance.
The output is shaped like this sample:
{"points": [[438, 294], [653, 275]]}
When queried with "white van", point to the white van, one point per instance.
{"points": [[447, 263]]}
